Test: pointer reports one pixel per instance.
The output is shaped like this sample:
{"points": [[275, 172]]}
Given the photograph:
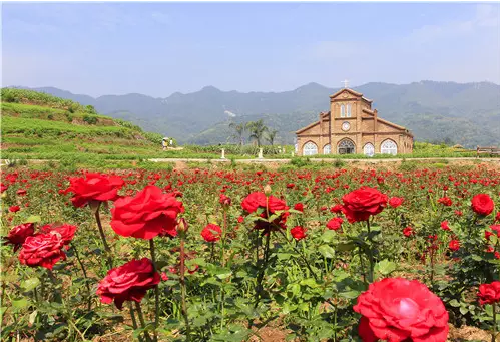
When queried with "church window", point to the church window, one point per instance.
{"points": [[346, 146], [327, 149], [369, 150], [310, 148], [349, 114], [389, 147], [342, 111]]}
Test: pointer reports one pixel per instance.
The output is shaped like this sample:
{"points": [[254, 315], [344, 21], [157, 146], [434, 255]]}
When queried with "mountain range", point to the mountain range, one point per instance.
{"points": [[461, 113]]}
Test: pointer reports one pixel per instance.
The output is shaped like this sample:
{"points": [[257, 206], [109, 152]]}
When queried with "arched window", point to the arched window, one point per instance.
{"points": [[369, 150], [346, 146], [310, 148], [327, 149], [349, 114], [389, 147], [342, 111]]}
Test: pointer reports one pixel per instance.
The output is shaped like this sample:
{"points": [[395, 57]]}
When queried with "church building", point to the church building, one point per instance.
{"points": [[352, 126]]}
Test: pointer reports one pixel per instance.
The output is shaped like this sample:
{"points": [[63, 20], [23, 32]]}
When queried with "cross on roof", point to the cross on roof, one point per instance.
{"points": [[346, 83]]}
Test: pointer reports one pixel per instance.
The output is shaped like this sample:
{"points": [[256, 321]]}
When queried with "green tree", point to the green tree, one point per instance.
{"points": [[271, 135], [257, 130], [239, 130]]}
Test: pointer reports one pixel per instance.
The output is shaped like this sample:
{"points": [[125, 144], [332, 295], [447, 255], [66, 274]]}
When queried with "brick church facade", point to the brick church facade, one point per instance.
{"points": [[352, 126]]}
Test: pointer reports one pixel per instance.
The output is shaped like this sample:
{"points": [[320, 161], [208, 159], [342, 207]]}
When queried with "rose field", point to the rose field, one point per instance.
{"points": [[251, 254]]}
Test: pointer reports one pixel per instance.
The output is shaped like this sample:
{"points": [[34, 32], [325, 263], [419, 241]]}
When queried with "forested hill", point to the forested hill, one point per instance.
{"points": [[464, 113]]}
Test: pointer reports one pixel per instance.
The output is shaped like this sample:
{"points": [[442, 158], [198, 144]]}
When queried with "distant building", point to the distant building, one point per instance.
{"points": [[352, 126]]}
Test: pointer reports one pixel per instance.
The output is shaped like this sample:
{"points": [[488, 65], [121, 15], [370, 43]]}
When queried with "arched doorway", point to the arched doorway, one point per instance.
{"points": [[369, 150], [346, 146], [327, 149], [389, 147], [310, 148]]}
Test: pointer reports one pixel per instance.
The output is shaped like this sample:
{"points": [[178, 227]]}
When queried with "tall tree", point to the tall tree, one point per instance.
{"points": [[271, 135], [239, 130], [257, 130]]}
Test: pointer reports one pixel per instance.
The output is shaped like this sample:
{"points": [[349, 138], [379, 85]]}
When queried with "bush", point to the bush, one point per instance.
{"points": [[91, 120]]}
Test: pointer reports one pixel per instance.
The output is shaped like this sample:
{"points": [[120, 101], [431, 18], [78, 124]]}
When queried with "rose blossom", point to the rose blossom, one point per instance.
{"points": [[360, 204], [335, 223], [489, 293], [482, 204], [19, 234], [396, 309], [396, 201], [211, 233], [298, 233], [146, 215], [454, 245], [66, 231], [43, 250], [94, 187], [128, 282]]}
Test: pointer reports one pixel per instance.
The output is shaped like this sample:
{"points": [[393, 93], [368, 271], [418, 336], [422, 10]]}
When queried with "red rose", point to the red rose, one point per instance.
{"points": [[396, 201], [408, 231], [298, 233], [21, 192], [299, 207], [66, 231], [94, 187], [224, 200], [454, 245], [3, 188], [43, 250], [18, 235], [497, 217], [211, 233], [396, 309], [14, 209], [240, 219], [444, 226], [489, 293], [147, 214], [482, 204], [360, 204], [129, 282], [337, 209], [335, 223], [258, 200], [445, 201], [496, 228]]}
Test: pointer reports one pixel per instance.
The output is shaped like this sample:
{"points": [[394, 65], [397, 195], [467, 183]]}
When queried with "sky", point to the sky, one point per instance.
{"points": [[160, 48]]}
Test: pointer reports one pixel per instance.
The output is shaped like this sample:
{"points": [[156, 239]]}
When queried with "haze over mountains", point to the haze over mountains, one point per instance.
{"points": [[463, 113]]}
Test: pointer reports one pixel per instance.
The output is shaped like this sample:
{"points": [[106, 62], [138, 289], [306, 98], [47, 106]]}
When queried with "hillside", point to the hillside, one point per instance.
{"points": [[40, 125], [468, 114]]}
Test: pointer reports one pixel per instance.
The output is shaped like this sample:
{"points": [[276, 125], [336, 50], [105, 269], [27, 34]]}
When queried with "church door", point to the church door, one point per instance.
{"points": [[369, 149], [346, 146]]}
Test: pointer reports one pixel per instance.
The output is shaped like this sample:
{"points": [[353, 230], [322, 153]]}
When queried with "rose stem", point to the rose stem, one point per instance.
{"points": [[157, 293], [493, 336], [89, 303], [57, 293], [141, 319], [183, 287], [132, 317], [370, 254], [103, 237]]}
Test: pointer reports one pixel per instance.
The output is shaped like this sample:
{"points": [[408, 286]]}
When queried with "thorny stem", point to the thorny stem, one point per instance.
{"points": [[301, 255], [370, 255], [141, 319], [157, 292], [57, 293], [89, 298], [494, 333], [183, 288], [103, 237]]}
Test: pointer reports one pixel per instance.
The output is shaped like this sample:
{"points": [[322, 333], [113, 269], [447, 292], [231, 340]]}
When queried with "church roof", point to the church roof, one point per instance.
{"points": [[354, 92], [307, 127]]}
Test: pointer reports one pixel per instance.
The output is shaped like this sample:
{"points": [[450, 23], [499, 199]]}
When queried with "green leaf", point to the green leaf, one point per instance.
{"points": [[455, 303], [327, 251], [20, 304], [309, 282], [284, 256], [346, 247], [385, 267], [328, 236], [30, 284], [33, 219], [463, 310], [349, 294]]}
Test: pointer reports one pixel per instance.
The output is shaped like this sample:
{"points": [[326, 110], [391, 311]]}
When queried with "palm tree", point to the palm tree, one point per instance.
{"points": [[257, 130], [239, 130], [271, 135]]}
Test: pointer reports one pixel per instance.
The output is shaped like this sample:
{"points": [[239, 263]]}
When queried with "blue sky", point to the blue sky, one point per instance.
{"points": [[159, 48]]}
